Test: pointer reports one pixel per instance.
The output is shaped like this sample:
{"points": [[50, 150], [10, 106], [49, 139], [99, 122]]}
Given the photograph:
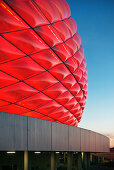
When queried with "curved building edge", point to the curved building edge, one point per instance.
{"points": [[20, 133]]}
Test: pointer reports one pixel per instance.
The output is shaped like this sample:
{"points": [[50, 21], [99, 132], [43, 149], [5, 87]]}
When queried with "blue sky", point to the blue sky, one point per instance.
{"points": [[95, 24]]}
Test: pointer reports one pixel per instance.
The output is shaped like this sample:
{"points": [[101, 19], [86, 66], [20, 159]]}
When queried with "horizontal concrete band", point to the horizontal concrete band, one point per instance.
{"points": [[25, 133]]}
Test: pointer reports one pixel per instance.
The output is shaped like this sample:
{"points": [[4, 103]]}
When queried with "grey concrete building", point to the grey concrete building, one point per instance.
{"points": [[29, 143]]}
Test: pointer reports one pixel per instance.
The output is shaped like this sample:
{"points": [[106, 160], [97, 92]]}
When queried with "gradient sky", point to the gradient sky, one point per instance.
{"points": [[95, 24]]}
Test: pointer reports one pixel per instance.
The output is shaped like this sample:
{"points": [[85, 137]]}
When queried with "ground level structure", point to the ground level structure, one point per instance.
{"points": [[28, 143]]}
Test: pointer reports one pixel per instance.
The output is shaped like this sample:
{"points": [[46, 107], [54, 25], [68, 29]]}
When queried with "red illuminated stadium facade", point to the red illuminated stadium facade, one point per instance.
{"points": [[43, 75], [42, 65]]}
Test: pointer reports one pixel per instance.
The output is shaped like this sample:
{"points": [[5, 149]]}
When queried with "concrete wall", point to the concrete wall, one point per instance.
{"points": [[25, 133]]}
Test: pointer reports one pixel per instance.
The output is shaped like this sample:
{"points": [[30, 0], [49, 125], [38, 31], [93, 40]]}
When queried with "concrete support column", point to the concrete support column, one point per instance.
{"points": [[26, 162], [84, 161], [88, 160], [64, 157], [99, 159], [102, 159], [91, 158], [79, 161], [53, 161], [19, 161], [69, 160]]}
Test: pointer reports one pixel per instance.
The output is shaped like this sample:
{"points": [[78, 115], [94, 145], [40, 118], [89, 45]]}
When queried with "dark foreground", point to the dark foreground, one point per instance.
{"points": [[96, 168], [109, 167]]}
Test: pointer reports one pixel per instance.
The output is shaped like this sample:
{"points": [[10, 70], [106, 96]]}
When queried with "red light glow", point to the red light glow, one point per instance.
{"points": [[43, 70]]}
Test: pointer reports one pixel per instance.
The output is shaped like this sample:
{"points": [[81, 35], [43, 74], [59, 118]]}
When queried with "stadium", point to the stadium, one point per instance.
{"points": [[43, 89]]}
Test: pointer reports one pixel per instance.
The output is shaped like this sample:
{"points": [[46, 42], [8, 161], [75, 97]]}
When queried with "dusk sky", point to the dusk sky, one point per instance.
{"points": [[95, 24]]}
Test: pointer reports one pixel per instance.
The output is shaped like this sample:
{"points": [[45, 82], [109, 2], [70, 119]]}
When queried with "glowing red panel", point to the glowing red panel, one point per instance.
{"points": [[71, 64], [9, 20], [4, 103], [43, 70], [28, 11], [27, 41], [49, 35], [62, 30], [6, 80], [60, 71], [46, 62], [64, 97], [48, 108], [72, 46], [77, 39], [35, 101], [41, 81], [55, 90], [62, 51], [71, 24], [13, 108], [8, 52], [22, 68], [49, 10], [16, 92], [63, 8], [69, 81]]}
